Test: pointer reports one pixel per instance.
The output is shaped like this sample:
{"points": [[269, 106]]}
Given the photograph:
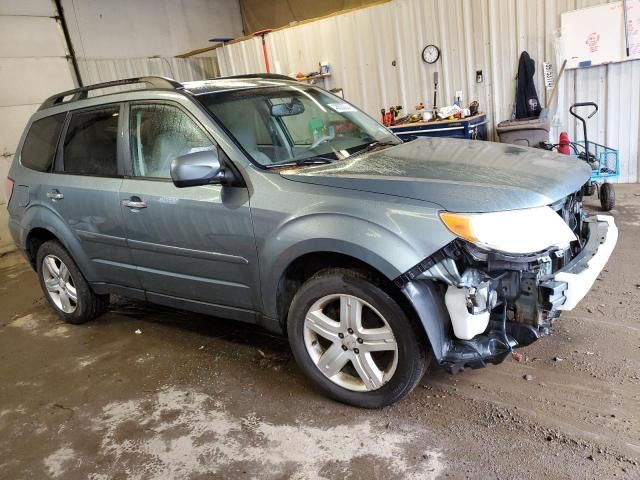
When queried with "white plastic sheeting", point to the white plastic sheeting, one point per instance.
{"points": [[181, 69], [486, 35]]}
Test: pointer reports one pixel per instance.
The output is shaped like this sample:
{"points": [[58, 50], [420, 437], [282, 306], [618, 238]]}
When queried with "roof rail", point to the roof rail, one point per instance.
{"points": [[274, 76], [83, 92]]}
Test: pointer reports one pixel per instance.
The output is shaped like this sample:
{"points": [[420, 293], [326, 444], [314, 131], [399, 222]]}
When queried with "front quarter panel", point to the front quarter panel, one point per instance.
{"points": [[292, 219]]}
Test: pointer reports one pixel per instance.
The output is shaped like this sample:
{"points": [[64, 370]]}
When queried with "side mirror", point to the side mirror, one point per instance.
{"points": [[197, 168]]}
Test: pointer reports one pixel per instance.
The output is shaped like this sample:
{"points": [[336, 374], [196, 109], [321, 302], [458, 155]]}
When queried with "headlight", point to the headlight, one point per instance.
{"points": [[514, 231]]}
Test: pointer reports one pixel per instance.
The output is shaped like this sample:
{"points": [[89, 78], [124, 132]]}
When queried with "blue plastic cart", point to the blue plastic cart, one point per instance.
{"points": [[604, 161]]}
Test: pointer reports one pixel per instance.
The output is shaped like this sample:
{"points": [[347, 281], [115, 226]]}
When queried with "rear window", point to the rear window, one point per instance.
{"points": [[39, 147], [90, 146]]}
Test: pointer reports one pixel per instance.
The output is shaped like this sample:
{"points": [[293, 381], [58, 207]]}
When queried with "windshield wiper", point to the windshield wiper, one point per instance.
{"points": [[303, 161], [314, 160], [376, 144]]}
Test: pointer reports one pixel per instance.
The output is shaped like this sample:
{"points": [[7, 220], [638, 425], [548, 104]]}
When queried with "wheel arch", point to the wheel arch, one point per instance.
{"points": [[305, 266], [35, 238], [422, 301], [42, 224], [388, 252]]}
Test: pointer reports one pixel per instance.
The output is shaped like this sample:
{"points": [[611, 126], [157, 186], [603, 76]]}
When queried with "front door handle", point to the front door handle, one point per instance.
{"points": [[134, 203], [55, 195]]}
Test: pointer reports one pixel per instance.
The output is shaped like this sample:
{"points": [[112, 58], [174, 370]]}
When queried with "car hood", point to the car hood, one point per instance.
{"points": [[459, 175]]}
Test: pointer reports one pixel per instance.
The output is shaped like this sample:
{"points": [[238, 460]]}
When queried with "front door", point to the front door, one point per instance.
{"points": [[193, 243]]}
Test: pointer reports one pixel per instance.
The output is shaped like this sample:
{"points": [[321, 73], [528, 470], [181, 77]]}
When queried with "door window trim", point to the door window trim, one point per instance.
{"points": [[58, 162]]}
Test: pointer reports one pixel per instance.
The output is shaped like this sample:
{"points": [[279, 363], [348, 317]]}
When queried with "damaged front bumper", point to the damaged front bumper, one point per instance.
{"points": [[582, 271], [500, 302]]}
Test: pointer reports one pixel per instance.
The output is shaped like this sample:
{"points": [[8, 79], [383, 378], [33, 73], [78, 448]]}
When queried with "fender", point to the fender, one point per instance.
{"points": [[432, 313], [39, 215], [340, 233]]}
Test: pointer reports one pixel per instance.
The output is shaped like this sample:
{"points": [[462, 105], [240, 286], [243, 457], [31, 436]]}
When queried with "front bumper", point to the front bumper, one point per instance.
{"points": [[532, 292], [580, 274]]}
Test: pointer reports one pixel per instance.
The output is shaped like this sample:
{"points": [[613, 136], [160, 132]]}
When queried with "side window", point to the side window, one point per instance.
{"points": [[39, 147], [90, 146], [158, 134]]}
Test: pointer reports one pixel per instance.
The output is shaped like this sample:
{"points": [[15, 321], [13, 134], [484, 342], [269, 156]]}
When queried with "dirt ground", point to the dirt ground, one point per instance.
{"points": [[148, 392]]}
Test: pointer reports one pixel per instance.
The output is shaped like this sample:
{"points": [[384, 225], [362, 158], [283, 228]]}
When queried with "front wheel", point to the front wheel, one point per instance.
{"points": [[354, 341], [589, 189]]}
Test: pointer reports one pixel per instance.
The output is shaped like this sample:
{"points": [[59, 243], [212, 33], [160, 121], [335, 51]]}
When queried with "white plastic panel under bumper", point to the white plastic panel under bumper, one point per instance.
{"points": [[578, 284]]}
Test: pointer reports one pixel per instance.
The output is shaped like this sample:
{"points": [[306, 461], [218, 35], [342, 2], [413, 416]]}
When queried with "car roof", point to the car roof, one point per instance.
{"points": [[239, 82], [222, 84]]}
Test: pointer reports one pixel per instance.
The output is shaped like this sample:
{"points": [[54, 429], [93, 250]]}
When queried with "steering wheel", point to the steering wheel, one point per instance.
{"points": [[320, 140]]}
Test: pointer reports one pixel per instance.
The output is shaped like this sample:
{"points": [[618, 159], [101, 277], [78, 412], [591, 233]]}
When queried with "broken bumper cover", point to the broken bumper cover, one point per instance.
{"points": [[580, 274]]}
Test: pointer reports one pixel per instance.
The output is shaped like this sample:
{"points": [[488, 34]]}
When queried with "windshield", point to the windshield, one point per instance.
{"points": [[290, 124]]}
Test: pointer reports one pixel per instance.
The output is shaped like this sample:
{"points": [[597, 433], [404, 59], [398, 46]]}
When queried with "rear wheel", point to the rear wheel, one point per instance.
{"points": [[65, 287], [354, 341], [607, 197]]}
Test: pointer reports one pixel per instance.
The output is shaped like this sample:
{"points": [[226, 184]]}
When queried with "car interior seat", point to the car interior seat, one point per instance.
{"points": [[166, 147]]}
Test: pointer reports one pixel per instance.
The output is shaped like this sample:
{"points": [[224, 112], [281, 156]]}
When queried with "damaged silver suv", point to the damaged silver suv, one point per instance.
{"points": [[260, 199]]}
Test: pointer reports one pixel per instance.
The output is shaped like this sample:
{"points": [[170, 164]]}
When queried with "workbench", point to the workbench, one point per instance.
{"points": [[474, 127]]}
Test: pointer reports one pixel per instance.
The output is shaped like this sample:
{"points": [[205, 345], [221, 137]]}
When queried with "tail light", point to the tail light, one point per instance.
{"points": [[8, 189]]}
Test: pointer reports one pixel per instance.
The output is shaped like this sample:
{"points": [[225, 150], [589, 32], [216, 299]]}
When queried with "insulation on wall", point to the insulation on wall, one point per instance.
{"points": [[375, 57]]}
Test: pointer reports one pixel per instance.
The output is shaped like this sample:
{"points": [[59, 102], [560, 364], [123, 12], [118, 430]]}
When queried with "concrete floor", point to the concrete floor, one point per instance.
{"points": [[196, 397]]}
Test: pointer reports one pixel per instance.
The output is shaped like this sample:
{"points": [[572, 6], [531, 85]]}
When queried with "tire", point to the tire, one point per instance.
{"points": [[317, 307], [607, 197], [588, 189], [64, 283]]}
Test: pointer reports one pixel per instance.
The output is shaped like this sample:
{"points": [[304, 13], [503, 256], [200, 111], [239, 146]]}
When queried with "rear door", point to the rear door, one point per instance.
{"points": [[84, 191], [192, 243]]}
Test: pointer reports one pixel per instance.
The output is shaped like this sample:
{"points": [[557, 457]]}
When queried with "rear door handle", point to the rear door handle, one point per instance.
{"points": [[134, 203], [55, 195]]}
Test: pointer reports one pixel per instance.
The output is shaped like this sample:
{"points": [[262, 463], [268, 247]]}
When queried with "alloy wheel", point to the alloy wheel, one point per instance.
{"points": [[350, 342], [59, 284]]}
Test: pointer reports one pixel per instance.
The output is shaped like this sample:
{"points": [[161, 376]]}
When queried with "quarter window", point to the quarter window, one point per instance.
{"points": [[160, 133], [91, 143], [39, 147]]}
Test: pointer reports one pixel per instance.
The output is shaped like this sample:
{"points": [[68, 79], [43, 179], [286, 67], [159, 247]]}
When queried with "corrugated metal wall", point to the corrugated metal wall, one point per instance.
{"points": [[485, 35]]}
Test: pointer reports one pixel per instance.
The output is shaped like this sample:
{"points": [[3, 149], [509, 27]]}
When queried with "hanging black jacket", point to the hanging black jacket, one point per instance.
{"points": [[527, 103]]}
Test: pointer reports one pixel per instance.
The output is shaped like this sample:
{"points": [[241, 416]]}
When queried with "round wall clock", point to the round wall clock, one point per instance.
{"points": [[430, 54]]}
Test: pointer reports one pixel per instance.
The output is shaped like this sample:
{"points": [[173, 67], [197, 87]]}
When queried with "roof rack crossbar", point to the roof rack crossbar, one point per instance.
{"points": [[83, 92]]}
